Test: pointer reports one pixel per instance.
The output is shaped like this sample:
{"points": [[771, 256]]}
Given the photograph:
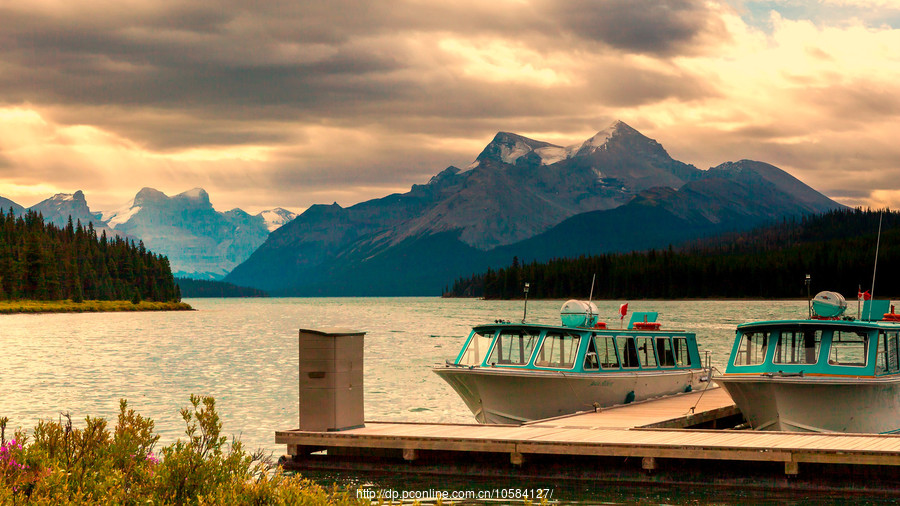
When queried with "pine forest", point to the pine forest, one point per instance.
{"points": [[41, 261]]}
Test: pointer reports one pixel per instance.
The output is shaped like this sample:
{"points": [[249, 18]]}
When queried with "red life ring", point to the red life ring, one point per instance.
{"points": [[646, 326], [600, 325], [891, 317]]}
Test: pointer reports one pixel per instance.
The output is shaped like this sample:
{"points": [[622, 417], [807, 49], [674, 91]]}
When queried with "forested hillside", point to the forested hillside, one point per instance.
{"points": [[191, 288], [44, 262], [836, 248]]}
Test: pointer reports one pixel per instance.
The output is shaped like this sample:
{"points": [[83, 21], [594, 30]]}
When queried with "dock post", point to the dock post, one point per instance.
{"points": [[331, 379], [648, 464], [516, 458], [792, 468], [410, 454]]}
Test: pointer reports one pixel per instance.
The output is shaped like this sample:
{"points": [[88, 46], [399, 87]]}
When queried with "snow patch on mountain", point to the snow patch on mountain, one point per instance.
{"points": [[275, 218], [195, 194], [121, 215], [552, 154], [598, 141], [509, 154]]}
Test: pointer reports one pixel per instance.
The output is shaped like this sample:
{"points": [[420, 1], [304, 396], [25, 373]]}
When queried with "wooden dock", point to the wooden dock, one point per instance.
{"points": [[659, 433]]}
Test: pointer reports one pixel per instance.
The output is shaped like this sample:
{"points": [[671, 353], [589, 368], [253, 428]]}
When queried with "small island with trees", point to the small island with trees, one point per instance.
{"points": [[45, 268]]}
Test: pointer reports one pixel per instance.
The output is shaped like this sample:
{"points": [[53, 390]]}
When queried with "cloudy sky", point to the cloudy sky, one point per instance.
{"points": [[295, 102]]}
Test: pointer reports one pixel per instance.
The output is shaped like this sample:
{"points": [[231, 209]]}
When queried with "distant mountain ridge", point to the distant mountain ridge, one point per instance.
{"points": [[616, 191], [199, 241]]}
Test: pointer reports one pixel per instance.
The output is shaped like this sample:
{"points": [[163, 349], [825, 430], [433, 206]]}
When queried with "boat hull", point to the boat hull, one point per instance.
{"points": [[817, 404], [513, 397]]}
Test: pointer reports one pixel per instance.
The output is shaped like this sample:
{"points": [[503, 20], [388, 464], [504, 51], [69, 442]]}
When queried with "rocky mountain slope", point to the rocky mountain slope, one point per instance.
{"points": [[6, 205]]}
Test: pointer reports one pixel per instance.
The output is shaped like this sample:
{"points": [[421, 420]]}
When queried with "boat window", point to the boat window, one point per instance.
{"points": [[848, 348], [753, 347], [606, 351], [514, 347], [646, 355], [628, 351], [478, 348], [664, 352], [558, 350], [682, 355], [886, 356], [591, 361], [798, 346]]}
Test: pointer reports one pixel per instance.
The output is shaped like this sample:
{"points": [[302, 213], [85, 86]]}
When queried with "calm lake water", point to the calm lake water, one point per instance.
{"points": [[244, 353]]}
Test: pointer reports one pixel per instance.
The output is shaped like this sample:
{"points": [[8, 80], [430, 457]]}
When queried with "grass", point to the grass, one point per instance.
{"points": [[88, 306]]}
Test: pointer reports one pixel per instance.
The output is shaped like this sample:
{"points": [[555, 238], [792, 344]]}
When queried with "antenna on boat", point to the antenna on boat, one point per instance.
{"points": [[525, 311], [858, 296], [875, 267], [808, 299], [591, 297]]}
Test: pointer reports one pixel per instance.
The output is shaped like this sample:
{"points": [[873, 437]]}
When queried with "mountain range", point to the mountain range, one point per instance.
{"points": [[617, 191], [199, 241]]}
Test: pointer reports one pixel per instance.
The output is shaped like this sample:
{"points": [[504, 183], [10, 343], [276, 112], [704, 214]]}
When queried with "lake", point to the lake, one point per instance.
{"points": [[244, 352]]}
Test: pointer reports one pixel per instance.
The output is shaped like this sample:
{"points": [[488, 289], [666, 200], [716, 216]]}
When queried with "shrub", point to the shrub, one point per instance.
{"points": [[67, 465]]}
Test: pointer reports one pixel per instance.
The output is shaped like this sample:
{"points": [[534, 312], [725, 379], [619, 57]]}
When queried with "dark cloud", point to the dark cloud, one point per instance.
{"points": [[856, 102], [663, 27], [304, 61]]}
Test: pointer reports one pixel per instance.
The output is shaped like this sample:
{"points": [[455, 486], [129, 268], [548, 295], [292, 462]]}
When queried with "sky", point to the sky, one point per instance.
{"points": [[289, 103]]}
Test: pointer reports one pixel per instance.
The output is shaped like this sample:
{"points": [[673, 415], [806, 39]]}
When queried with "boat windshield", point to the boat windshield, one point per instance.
{"points": [[798, 346], [752, 348], [514, 347], [558, 350], [478, 347]]}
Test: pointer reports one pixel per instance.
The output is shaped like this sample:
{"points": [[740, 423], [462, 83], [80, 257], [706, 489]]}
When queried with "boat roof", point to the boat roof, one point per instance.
{"points": [[541, 326], [822, 323]]}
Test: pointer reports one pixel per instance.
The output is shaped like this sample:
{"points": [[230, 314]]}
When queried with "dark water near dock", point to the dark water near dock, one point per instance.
{"points": [[243, 352]]}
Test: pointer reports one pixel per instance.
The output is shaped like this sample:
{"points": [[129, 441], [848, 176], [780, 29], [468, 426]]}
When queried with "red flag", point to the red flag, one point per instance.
{"points": [[866, 295], [622, 310]]}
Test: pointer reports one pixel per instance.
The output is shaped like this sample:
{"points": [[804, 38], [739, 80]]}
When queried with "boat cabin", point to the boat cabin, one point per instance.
{"points": [[816, 347], [572, 349]]}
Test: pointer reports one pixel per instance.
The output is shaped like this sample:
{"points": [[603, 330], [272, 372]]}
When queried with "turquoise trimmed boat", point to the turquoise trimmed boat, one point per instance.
{"points": [[823, 374], [517, 372]]}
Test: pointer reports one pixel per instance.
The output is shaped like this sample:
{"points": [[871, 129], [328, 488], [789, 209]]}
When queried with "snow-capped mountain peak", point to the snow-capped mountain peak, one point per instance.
{"points": [[509, 148], [275, 218], [78, 196]]}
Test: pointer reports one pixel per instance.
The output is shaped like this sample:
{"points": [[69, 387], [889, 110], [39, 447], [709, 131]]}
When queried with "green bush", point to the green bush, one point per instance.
{"points": [[62, 464]]}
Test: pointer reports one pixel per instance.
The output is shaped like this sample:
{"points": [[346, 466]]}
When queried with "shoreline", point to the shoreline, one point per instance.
{"points": [[88, 306]]}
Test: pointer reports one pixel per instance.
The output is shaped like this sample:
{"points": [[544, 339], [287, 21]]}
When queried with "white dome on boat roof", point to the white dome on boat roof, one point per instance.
{"points": [[578, 313], [829, 304]]}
